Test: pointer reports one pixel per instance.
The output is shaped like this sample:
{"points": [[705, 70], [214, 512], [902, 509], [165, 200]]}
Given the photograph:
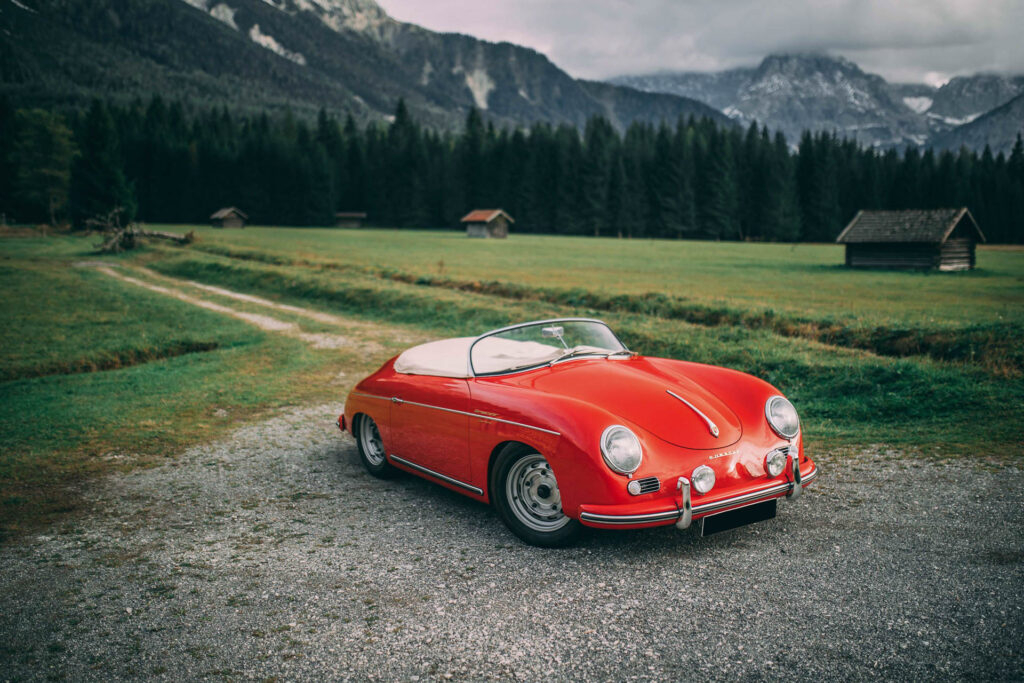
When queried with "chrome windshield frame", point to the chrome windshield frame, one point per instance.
{"points": [[469, 356]]}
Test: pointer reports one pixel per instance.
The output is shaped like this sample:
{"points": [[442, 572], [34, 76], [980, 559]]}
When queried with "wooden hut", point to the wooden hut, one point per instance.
{"points": [[349, 219], [940, 239], [487, 223], [228, 217]]}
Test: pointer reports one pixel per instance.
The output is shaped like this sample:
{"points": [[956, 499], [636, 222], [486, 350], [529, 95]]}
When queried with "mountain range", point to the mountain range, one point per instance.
{"points": [[798, 92], [347, 56], [351, 57]]}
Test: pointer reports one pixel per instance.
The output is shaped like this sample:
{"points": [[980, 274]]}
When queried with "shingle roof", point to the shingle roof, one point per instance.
{"points": [[485, 216], [927, 227], [225, 212]]}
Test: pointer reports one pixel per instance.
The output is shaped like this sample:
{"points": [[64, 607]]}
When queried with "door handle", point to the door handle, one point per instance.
{"points": [[395, 399]]}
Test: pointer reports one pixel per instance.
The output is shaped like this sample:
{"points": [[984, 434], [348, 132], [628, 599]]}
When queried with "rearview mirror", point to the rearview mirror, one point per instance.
{"points": [[553, 332]]}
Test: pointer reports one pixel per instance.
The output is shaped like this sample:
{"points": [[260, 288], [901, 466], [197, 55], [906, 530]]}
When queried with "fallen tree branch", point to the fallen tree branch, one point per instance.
{"points": [[118, 238]]}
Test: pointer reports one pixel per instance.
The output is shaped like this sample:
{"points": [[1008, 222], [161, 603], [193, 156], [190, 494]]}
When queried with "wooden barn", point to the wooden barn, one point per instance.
{"points": [[939, 239], [228, 217], [487, 223], [349, 219]]}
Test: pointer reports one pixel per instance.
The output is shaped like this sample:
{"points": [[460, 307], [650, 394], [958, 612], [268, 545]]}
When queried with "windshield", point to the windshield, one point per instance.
{"points": [[534, 344]]}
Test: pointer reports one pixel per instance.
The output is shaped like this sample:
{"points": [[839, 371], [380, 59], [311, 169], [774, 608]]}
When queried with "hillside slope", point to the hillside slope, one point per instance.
{"points": [[345, 55], [998, 129]]}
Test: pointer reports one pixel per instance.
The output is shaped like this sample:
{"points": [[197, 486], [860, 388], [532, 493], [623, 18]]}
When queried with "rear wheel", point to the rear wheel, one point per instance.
{"points": [[525, 493], [371, 448]]}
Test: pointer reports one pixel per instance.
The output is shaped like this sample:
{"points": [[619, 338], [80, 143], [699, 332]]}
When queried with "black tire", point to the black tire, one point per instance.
{"points": [[371, 447], [525, 494]]}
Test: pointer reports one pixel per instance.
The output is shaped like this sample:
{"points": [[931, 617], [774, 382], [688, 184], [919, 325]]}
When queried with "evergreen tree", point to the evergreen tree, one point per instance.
{"points": [[98, 183], [8, 134], [41, 155], [721, 207]]}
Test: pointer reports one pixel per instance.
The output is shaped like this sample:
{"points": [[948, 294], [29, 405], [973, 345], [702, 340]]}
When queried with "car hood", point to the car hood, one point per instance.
{"points": [[638, 391]]}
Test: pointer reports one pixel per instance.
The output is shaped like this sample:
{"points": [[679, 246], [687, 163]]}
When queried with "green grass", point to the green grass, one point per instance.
{"points": [[174, 374], [803, 280], [792, 290], [98, 374]]}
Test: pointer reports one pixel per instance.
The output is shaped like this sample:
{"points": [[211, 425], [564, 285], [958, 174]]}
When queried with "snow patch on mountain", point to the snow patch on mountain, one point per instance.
{"points": [[732, 112], [362, 16], [918, 104], [481, 85], [221, 11], [224, 14], [265, 40], [954, 121]]}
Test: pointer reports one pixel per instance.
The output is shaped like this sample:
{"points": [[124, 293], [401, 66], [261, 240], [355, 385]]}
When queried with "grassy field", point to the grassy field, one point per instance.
{"points": [[99, 374], [793, 290], [805, 280]]}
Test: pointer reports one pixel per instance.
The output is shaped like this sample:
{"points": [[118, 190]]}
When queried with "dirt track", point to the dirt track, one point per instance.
{"points": [[272, 553]]}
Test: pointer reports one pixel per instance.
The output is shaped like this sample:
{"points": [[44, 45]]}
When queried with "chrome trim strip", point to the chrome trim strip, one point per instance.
{"points": [[438, 475], [382, 398], [518, 424], [630, 519], [754, 496], [711, 425], [745, 498], [480, 417], [395, 399]]}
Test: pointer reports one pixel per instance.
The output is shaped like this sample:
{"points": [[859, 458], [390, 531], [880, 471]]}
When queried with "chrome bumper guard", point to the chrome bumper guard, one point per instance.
{"points": [[683, 515]]}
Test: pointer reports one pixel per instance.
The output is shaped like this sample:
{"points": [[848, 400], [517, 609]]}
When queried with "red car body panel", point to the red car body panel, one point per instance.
{"points": [[455, 427]]}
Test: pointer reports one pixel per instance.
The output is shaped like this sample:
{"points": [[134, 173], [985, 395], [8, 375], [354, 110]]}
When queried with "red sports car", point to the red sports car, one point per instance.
{"points": [[561, 426]]}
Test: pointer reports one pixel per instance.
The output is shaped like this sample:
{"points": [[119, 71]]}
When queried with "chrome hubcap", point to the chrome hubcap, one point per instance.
{"points": [[532, 493], [369, 436]]}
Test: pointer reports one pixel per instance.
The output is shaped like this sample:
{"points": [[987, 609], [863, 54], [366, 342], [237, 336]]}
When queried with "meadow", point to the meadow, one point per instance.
{"points": [[98, 374]]}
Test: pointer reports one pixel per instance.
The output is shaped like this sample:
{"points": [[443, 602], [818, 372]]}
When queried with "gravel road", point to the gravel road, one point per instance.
{"points": [[272, 553]]}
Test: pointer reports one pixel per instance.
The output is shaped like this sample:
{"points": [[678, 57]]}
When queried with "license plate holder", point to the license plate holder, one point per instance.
{"points": [[733, 519]]}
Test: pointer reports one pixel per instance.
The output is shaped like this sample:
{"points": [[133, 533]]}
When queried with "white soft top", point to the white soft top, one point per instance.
{"points": [[450, 357]]}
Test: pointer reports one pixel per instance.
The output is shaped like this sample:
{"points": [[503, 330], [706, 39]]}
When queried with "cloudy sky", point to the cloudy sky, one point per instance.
{"points": [[904, 40]]}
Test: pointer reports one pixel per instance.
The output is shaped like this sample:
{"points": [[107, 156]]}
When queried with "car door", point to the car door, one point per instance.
{"points": [[430, 424]]}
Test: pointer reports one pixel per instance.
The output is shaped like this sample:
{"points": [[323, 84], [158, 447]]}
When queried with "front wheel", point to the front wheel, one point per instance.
{"points": [[371, 448], [525, 493]]}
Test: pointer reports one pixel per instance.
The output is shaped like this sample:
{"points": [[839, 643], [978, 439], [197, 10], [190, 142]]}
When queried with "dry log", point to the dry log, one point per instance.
{"points": [[118, 238]]}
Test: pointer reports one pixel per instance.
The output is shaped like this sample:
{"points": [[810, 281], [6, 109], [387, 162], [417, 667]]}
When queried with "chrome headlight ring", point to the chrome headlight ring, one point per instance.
{"points": [[782, 417], [621, 449], [703, 479]]}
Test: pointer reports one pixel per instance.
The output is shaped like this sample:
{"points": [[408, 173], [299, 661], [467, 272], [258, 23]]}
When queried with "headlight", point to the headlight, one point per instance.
{"points": [[774, 463], [782, 417], [621, 449], [703, 479]]}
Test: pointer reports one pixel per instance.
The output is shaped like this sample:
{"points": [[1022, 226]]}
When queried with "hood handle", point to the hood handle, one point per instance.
{"points": [[712, 427]]}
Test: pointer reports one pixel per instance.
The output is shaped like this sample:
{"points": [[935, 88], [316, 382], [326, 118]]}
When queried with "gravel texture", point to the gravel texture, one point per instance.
{"points": [[272, 553]]}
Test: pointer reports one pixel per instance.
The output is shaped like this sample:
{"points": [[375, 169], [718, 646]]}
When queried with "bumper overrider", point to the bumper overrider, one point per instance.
{"points": [[687, 510]]}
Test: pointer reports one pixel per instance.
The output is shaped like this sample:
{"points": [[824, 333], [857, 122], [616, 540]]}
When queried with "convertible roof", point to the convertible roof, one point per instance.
{"points": [[443, 358], [450, 357]]}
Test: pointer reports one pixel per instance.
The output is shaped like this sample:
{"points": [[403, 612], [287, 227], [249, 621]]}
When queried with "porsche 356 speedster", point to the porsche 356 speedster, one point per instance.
{"points": [[560, 426]]}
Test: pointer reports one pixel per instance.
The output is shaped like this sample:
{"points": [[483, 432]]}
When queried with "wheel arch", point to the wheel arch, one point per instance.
{"points": [[498, 449]]}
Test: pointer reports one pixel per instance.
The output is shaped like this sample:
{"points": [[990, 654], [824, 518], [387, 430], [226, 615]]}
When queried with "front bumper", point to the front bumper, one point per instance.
{"points": [[608, 518]]}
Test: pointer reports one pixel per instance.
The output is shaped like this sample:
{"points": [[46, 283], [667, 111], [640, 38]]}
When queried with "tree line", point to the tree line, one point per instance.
{"points": [[164, 163]]}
